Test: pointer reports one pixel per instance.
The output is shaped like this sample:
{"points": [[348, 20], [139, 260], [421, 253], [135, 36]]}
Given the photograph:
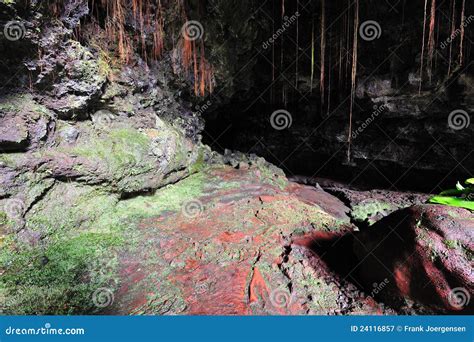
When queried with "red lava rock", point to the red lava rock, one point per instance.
{"points": [[267, 199], [257, 288], [315, 196], [426, 253], [213, 290], [231, 237], [238, 256]]}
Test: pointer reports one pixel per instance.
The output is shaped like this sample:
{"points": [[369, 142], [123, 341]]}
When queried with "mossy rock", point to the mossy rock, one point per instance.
{"points": [[83, 232], [368, 211], [125, 159], [62, 268]]}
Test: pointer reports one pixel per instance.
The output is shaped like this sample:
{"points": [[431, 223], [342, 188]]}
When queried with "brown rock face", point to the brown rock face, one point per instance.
{"points": [[426, 254]]}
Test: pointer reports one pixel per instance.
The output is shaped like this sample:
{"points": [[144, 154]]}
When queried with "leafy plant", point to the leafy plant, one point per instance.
{"points": [[462, 196]]}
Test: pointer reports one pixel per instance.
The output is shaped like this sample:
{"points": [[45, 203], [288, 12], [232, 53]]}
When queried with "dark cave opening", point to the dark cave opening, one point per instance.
{"points": [[238, 128], [406, 141]]}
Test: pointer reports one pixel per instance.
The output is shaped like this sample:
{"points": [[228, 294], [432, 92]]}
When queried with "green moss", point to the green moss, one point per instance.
{"points": [[69, 207], [269, 176], [3, 218], [124, 151], [58, 273], [80, 234], [199, 164], [324, 297], [12, 159], [87, 67], [451, 244], [113, 89], [104, 63], [23, 103], [84, 230], [12, 103], [7, 223], [169, 198], [366, 210]]}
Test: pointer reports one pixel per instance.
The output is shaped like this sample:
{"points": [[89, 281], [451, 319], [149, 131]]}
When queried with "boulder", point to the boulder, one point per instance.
{"points": [[426, 254], [23, 123], [13, 134], [76, 81], [116, 155]]}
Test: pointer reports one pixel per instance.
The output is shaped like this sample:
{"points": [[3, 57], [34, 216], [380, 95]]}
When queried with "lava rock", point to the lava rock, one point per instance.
{"points": [[69, 134], [425, 252], [23, 123], [13, 134], [79, 82]]}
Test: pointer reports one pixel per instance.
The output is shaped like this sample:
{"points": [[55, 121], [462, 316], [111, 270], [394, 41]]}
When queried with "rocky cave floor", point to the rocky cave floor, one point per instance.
{"points": [[250, 243], [234, 237]]}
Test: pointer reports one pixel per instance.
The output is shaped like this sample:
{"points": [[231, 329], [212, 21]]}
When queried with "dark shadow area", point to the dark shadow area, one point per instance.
{"points": [[305, 149]]}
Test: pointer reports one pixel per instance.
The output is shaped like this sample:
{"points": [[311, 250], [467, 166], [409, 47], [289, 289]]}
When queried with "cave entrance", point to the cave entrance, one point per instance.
{"points": [[306, 152], [307, 69]]}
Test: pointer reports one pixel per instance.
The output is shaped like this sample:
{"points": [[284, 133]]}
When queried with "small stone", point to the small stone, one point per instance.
{"points": [[243, 166], [69, 134]]}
